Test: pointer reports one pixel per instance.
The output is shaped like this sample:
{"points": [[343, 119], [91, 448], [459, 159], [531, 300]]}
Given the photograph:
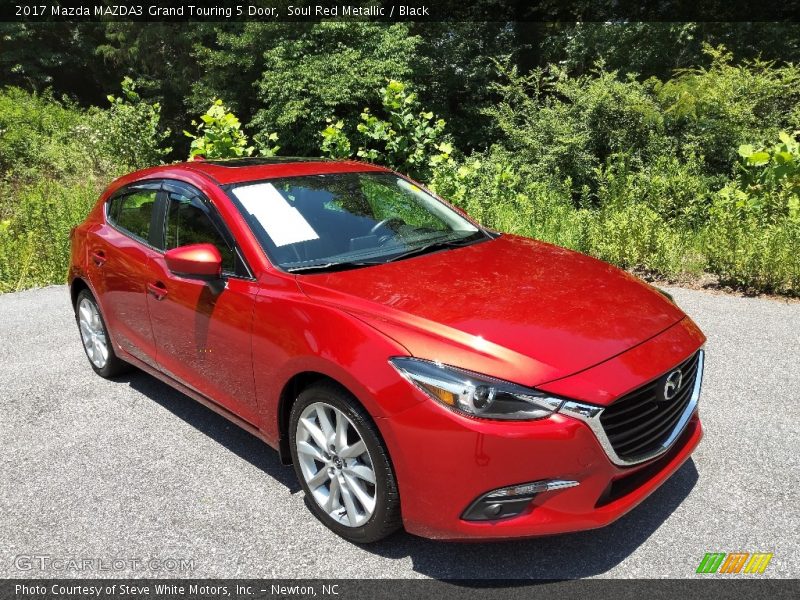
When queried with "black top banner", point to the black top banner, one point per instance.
{"points": [[32, 11]]}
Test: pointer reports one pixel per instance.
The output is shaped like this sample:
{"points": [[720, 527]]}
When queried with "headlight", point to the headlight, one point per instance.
{"points": [[474, 394]]}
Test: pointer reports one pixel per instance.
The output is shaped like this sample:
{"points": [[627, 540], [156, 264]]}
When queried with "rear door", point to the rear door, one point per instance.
{"points": [[119, 252], [203, 330]]}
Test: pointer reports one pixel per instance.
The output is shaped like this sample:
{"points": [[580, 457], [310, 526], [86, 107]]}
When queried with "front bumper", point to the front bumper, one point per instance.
{"points": [[444, 461]]}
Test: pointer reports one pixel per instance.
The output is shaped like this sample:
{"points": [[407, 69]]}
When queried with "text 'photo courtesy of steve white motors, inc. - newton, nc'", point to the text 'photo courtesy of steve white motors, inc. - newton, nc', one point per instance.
{"points": [[171, 589], [212, 11]]}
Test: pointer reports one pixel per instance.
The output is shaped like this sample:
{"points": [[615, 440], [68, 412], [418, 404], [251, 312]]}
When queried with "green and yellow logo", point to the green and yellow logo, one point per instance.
{"points": [[735, 562]]}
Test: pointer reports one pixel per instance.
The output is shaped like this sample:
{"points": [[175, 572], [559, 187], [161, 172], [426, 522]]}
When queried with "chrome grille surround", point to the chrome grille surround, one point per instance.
{"points": [[590, 414]]}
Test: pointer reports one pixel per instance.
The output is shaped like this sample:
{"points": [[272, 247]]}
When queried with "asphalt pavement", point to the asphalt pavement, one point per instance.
{"points": [[130, 478]]}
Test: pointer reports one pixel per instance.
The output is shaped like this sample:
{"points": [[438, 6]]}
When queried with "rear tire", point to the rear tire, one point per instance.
{"points": [[343, 465], [96, 341]]}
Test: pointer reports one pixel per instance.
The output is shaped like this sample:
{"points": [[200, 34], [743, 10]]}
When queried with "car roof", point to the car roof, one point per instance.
{"points": [[239, 170]]}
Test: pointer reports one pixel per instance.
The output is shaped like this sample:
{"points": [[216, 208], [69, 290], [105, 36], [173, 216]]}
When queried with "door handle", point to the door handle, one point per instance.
{"points": [[158, 290], [99, 257]]}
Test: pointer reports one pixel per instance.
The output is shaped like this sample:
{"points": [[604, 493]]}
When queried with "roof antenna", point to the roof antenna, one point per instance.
{"points": [[198, 158]]}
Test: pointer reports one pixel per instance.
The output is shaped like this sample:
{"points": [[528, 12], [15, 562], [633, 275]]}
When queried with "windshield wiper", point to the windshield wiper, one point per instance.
{"points": [[464, 241], [331, 266], [354, 264]]}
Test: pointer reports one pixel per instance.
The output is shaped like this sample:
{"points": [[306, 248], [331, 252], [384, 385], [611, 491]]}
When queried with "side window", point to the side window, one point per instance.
{"points": [[133, 212], [188, 223]]}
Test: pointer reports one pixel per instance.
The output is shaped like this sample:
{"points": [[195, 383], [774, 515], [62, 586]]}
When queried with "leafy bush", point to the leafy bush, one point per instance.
{"points": [[567, 127], [35, 221], [772, 176], [748, 249], [404, 137], [129, 132], [315, 71], [267, 143], [219, 134], [692, 174], [712, 110], [55, 159], [727, 232], [37, 136]]}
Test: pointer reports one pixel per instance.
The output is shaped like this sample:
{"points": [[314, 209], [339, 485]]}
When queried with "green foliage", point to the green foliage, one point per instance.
{"points": [[129, 131], [634, 221], [54, 160], [42, 136], [568, 126], [35, 221], [749, 246], [219, 134], [586, 137], [771, 170], [658, 48], [403, 137], [267, 143], [335, 143], [315, 71], [37, 135], [712, 110]]}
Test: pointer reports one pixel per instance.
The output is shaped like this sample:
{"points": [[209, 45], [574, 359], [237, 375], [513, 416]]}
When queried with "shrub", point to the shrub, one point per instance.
{"points": [[403, 137], [567, 127], [712, 110], [321, 70], [219, 134], [128, 133], [772, 176], [37, 136], [629, 222], [35, 220], [55, 159]]}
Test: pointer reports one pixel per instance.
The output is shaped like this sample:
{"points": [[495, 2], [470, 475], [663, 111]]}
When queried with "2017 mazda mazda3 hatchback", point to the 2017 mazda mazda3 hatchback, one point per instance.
{"points": [[416, 368]]}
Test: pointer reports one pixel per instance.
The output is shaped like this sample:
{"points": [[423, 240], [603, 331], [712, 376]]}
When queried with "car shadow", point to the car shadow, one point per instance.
{"points": [[568, 556], [218, 428]]}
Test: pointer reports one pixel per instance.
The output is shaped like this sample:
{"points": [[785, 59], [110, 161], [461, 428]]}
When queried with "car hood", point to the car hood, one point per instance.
{"points": [[511, 307]]}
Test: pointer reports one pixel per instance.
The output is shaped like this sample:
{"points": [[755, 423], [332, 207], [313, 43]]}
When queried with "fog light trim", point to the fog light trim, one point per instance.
{"points": [[510, 501]]}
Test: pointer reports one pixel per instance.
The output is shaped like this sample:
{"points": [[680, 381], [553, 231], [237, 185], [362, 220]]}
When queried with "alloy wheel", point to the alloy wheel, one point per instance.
{"points": [[93, 333], [336, 464]]}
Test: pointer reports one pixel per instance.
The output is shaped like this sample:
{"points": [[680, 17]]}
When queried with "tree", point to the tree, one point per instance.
{"points": [[328, 69], [402, 136]]}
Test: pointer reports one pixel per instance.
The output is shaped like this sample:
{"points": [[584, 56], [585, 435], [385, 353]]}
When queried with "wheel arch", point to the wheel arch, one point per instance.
{"points": [[291, 389], [76, 287], [289, 393]]}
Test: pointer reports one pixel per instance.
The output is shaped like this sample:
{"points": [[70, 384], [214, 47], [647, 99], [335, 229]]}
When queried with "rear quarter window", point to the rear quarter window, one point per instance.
{"points": [[133, 212]]}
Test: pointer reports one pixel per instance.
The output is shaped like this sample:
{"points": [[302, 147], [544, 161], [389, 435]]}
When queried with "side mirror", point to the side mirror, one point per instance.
{"points": [[195, 261]]}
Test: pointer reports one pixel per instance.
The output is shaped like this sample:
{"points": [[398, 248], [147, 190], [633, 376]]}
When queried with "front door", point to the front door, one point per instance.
{"points": [[203, 330]]}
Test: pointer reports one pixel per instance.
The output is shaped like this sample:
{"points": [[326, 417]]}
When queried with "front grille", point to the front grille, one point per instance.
{"points": [[643, 420]]}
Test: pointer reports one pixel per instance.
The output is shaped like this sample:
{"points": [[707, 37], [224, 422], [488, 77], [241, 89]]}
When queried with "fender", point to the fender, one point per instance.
{"points": [[284, 345]]}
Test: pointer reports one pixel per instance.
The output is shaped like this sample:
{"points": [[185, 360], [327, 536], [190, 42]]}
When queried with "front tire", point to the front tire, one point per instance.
{"points": [[95, 338], [342, 465]]}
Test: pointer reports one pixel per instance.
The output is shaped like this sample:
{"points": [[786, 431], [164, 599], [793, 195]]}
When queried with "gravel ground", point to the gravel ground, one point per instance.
{"points": [[131, 469]]}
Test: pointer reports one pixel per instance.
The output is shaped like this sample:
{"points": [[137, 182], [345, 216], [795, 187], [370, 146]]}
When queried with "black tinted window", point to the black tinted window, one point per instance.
{"points": [[134, 211], [188, 223]]}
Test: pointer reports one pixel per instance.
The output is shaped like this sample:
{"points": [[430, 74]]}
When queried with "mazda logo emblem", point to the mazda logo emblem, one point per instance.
{"points": [[672, 384]]}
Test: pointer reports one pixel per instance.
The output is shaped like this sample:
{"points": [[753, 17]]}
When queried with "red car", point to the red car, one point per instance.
{"points": [[416, 368]]}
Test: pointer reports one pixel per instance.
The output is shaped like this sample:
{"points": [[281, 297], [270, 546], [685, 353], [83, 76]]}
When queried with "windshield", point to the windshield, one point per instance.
{"points": [[344, 220]]}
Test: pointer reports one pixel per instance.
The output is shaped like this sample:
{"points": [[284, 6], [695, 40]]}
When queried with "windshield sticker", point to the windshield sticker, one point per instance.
{"points": [[283, 223]]}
